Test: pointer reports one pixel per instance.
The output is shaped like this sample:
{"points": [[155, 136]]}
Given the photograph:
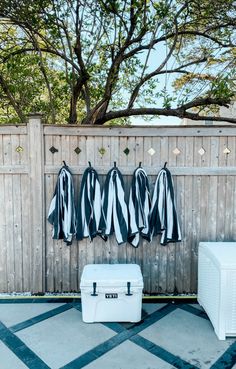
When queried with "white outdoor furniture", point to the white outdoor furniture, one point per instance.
{"points": [[111, 293], [217, 285]]}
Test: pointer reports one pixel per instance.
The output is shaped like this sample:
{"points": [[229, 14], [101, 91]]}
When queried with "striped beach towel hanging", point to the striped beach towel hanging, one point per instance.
{"points": [[114, 217], [62, 209], [139, 208], [163, 216], [89, 205]]}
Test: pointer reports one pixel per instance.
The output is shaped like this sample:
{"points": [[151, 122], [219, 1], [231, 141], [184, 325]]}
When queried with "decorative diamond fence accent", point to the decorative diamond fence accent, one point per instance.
{"points": [[201, 151], [176, 151], [77, 150], [151, 151], [19, 149], [126, 151], [227, 151], [53, 150], [102, 151]]}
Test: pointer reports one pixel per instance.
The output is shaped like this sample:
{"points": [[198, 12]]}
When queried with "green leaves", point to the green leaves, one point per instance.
{"points": [[223, 87], [162, 8], [135, 53]]}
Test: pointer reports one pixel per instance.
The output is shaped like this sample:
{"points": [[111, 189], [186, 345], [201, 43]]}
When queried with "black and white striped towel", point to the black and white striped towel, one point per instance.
{"points": [[163, 216], [139, 208], [114, 217], [62, 208], [89, 205]]}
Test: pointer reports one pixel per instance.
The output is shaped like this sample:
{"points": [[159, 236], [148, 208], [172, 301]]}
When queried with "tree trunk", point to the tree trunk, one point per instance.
{"points": [[77, 89], [98, 112], [73, 110]]}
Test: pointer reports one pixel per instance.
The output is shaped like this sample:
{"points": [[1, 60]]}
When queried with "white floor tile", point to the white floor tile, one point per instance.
{"points": [[63, 338], [128, 356], [11, 314], [190, 337], [8, 360]]}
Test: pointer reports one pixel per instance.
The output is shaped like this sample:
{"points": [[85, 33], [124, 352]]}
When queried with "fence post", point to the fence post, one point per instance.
{"points": [[36, 173]]}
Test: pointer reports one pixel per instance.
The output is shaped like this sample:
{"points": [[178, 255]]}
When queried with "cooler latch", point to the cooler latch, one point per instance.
{"points": [[128, 289], [94, 289]]}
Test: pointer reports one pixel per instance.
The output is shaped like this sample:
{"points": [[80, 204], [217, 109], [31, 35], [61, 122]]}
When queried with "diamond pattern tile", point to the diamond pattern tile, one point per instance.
{"points": [[11, 314], [64, 337], [187, 332], [169, 336], [9, 360], [126, 356]]}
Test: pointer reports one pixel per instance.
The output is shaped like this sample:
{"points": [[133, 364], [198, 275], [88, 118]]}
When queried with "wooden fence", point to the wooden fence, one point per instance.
{"points": [[201, 159]]}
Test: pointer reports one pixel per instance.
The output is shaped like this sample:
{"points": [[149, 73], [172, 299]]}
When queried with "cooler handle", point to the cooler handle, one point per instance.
{"points": [[94, 289], [128, 289]]}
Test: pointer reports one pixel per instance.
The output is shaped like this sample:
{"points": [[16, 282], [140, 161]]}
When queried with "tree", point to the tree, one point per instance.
{"points": [[102, 60]]}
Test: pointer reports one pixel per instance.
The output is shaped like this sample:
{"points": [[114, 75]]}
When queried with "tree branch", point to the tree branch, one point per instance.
{"points": [[178, 112], [171, 35], [180, 68], [83, 75], [161, 66], [205, 102], [44, 73], [12, 99], [113, 73], [62, 27], [45, 50]]}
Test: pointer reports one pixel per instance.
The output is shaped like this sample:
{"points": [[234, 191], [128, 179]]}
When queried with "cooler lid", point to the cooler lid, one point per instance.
{"points": [[222, 253], [116, 275]]}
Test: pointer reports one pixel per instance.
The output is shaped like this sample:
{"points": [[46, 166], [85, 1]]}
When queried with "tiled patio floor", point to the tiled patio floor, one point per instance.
{"points": [[52, 335]]}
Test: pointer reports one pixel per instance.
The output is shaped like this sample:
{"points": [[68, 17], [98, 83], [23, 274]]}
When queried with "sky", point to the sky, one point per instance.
{"points": [[139, 121], [155, 59]]}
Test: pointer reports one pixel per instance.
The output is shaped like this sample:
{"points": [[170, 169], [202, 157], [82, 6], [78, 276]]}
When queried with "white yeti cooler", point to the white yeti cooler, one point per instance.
{"points": [[111, 293], [217, 285]]}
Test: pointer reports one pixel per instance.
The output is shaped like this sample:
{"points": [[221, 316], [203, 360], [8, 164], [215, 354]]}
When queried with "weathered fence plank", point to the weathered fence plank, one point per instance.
{"points": [[66, 151], [3, 246], [3, 250], [36, 172], [25, 232], [9, 212], [163, 251], [140, 131], [180, 203]]}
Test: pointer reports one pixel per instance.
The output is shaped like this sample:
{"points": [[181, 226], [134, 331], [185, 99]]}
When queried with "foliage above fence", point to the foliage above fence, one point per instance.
{"points": [[95, 61]]}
